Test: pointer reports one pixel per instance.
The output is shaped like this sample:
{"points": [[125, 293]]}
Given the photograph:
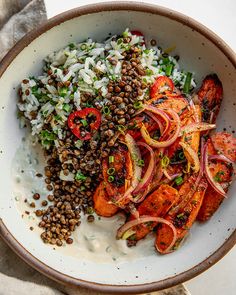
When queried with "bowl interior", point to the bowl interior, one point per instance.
{"points": [[197, 54]]}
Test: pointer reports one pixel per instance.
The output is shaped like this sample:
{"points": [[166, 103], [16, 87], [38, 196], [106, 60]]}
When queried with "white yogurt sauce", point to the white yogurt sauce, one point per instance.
{"points": [[94, 241]]}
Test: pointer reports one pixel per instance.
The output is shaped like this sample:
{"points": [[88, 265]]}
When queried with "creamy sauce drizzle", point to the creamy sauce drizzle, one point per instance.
{"points": [[94, 241]]}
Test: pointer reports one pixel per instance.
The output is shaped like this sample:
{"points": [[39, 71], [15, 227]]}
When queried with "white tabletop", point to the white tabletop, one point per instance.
{"points": [[219, 16]]}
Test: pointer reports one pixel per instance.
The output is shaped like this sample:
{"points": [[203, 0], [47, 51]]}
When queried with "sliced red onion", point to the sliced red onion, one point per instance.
{"points": [[171, 177], [154, 118], [147, 178], [161, 144], [143, 219], [192, 154], [135, 154], [196, 127], [160, 113], [221, 158], [167, 174], [215, 185]]}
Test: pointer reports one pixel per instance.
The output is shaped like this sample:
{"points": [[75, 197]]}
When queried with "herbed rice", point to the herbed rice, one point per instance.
{"points": [[88, 65]]}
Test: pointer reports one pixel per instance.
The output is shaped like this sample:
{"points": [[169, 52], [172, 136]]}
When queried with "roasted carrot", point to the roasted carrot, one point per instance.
{"points": [[156, 204], [222, 173], [117, 173], [225, 143], [210, 97], [177, 104], [183, 220], [102, 204]]}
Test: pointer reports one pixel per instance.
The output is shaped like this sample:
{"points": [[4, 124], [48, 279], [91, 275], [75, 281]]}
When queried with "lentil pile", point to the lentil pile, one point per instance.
{"points": [[112, 77]]}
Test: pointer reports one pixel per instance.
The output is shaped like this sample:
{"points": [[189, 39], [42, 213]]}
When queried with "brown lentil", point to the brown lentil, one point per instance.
{"points": [[36, 196]]}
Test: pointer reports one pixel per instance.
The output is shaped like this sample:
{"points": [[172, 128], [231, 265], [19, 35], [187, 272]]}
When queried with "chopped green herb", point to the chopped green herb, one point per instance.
{"points": [[179, 180], [149, 72], [72, 46], [83, 47], [146, 51], [111, 178], [62, 91], [80, 176], [111, 159], [84, 122], [218, 175], [138, 105], [125, 34], [111, 171], [46, 135], [181, 215], [187, 83], [89, 210], [66, 107], [169, 69], [140, 163], [79, 143], [121, 128], [82, 188], [57, 118], [165, 161], [106, 110]]}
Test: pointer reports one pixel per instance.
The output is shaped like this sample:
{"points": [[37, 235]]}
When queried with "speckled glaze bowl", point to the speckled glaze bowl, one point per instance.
{"points": [[201, 51]]}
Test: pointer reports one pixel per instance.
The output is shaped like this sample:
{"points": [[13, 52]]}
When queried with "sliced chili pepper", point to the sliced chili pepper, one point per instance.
{"points": [[159, 83], [82, 115]]}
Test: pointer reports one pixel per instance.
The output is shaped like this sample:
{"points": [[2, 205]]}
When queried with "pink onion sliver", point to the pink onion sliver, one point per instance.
{"points": [[215, 185], [168, 142], [134, 150], [147, 178], [160, 113], [143, 219], [194, 127], [171, 177], [154, 118], [166, 174], [221, 158]]}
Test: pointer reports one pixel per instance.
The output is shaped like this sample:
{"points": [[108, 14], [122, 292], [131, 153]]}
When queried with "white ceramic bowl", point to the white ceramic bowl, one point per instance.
{"points": [[201, 51]]}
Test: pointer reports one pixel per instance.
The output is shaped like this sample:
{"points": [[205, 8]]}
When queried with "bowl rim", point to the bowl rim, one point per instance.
{"points": [[19, 248]]}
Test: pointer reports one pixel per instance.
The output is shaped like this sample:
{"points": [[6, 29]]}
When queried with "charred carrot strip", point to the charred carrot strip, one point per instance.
{"points": [[102, 205], [210, 97], [118, 173], [225, 144], [177, 104], [156, 204], [182, 220], [222, 172]]}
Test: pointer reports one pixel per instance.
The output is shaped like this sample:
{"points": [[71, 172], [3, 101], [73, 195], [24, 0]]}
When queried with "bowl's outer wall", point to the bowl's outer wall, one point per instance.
{"points": [[197, 54]]}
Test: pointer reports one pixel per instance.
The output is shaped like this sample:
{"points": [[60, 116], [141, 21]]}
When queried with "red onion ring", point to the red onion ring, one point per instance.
{"points": [[147, 178], [222, 158], [134, 150], [215, 185], [160, 144], [154, 118], [196, 127], [143, 219]]}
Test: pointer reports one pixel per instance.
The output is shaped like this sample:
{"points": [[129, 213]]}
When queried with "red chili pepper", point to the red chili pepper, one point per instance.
{"points": [[159, 83], [138, 33], [82, 114]]}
